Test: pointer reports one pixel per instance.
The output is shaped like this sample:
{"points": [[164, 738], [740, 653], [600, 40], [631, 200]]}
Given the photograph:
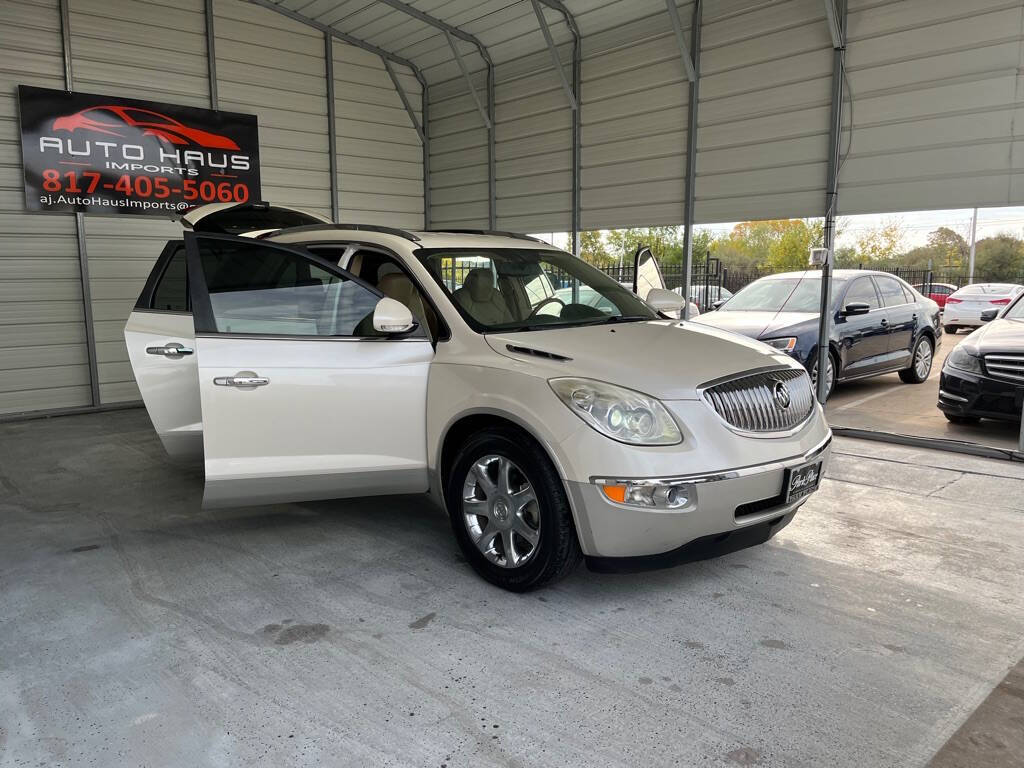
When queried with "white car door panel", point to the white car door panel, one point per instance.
{"points": [[300, 398]]}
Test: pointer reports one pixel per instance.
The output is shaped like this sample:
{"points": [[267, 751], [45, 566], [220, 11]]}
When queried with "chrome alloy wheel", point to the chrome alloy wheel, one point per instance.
{"points": [[500, 509], [923, 359], [829, 373]]}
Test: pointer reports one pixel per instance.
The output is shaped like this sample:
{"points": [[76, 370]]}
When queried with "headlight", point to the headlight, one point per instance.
{"points": [[962, 359], [786, 345], [617, 412]]}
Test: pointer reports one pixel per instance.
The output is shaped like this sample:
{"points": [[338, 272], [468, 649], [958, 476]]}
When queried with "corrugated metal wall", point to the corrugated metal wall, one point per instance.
{"points": [[267, 65], [937, 89], [43, 357], [380, 155]]}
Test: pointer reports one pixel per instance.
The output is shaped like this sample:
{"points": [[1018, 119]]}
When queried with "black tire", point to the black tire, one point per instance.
{"points": [[557, 552], [911, 375], [954, 419], [835, 375], [951, 329]]}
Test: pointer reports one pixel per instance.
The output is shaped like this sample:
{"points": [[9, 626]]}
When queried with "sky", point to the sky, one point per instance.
{"points": [[916, 224]]}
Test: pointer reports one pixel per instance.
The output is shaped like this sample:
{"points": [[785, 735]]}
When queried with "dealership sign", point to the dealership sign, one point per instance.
{"points": [[102, 154]]}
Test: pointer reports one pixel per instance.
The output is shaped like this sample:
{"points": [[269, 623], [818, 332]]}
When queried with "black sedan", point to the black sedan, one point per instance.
{"points": [[880, 324], [984, 374]]}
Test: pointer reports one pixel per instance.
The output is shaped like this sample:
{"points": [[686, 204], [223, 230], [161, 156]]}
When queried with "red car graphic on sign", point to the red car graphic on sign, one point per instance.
{"points": [[113, 121]]}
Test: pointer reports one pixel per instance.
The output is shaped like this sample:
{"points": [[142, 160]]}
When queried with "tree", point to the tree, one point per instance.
{"points": [[778, 244], [666, 243], [999, 258], [879, 246], [593, 249], [950, 249]]}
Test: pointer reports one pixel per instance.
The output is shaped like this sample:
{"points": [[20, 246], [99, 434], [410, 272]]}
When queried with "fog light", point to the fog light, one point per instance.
{"points": [[652, 495]]}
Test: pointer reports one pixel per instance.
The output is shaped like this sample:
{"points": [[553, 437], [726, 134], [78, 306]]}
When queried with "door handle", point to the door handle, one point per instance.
{"points": [[243, 379], [173, 350]]}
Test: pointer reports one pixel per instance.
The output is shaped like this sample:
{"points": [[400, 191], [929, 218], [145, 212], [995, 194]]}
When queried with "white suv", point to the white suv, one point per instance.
{"points": [[316, 360]]}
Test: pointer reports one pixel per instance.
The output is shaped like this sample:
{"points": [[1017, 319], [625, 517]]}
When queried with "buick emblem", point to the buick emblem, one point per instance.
{"points": [[780, 394]]}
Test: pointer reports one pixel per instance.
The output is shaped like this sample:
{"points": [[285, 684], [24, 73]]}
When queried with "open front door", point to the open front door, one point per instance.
{"points": [[301, 399], [646, 272]]}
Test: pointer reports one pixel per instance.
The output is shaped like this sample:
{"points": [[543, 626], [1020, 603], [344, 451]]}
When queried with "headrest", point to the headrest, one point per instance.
{"points": [[480, 284], [396, 286]]}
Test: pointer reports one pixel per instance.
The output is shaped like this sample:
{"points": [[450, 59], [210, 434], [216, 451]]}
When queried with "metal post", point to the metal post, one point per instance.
{"points": [[553, 51], [691, 157], [83, 257], [831, 197], [211, 55], [974, 237], [492, 161], [425, 117], [332, 130]]}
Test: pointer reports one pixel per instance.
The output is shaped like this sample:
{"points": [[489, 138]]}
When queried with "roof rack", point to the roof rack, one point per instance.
{"points": [[357, 227], [495, 232]]}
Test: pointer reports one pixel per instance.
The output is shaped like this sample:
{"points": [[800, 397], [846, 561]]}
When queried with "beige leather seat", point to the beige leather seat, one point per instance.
{"points": [[479, 297], [397, 286]]}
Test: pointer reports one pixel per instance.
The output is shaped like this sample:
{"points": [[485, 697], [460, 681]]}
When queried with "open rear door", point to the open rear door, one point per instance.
{"points": [[300, 398], [247, 218]]}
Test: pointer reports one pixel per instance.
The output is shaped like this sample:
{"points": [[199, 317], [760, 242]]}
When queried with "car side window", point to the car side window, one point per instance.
{"points": [[392, 279], [862, 291], [891, 291], [259, 289], [171, 292]]}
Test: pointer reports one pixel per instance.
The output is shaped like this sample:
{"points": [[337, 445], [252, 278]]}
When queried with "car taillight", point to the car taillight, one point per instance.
{"points": [[953, 301], [1003, 302]]}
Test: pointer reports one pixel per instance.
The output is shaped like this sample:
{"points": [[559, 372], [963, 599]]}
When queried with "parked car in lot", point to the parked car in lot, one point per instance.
{"points": [[937, 292], [983, 376], [964, 307], [880, 324], [706, 296], [335, 360]]}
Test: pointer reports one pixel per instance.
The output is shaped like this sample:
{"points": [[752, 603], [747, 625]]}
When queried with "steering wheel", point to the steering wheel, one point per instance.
{"points": [[543, 302]]}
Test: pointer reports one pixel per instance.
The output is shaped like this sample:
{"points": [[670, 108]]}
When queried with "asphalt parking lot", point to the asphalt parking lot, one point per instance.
{"points": [[886, 404], [140, 630]]}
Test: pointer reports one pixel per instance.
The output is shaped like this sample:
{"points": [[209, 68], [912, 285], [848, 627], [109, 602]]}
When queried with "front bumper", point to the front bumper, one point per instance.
{"points": [[727, 502], [962, 393]]}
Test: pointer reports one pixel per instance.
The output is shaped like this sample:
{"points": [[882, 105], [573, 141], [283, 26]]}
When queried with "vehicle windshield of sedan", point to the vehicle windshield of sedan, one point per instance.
{"points": [[788, 294], [524, 289]]}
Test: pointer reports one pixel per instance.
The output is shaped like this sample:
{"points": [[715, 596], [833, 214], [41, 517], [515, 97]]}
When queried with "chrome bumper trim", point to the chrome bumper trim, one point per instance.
{"points": [[950, 396], [715, 477]]}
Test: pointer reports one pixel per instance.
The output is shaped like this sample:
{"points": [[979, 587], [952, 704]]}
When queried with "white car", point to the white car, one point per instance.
{"points": [[328, 361], [964, 307]]}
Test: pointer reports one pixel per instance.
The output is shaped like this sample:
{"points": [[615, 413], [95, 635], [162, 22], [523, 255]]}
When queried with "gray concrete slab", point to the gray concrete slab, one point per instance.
{"points": [[886, 404], [139, 630]]}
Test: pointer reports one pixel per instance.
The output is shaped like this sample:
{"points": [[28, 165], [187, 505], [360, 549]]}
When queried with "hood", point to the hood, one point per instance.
{"points": [[663, 358], [1002, 335], [756, 325]]}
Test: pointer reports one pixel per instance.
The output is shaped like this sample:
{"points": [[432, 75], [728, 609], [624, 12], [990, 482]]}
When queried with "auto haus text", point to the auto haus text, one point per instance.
{"points": [[133, 157]]}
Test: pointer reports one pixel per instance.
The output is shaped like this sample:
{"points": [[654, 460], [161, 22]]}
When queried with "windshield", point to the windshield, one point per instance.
{"points": [[788, 294], [525, 289], [1016, 310]]}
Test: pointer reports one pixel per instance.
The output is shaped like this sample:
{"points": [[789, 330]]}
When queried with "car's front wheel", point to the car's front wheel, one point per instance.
{"points": [[510, 512], [830, 372], [920, 362]]}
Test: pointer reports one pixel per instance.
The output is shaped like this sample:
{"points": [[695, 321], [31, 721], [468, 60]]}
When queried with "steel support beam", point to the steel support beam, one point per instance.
{"points": [[684, 53], [211, 56], [834, 29], [831, 192], [332, 128], [553, 50], [469, 80], [421, 130], [577, 66], [83, 256], [693, 100]]}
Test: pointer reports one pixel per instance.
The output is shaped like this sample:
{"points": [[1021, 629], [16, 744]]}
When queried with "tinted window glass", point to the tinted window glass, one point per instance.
{"points": [[171, 292], [789, 294], [862, 292], [891, 291], [256, 288]]}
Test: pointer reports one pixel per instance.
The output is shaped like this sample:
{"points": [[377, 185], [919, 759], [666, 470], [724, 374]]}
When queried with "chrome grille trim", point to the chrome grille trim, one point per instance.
{"points": [[1006, 367], [747, 403]]}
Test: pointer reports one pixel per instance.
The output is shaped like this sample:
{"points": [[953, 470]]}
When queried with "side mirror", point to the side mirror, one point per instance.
{"points": [[719, 303], [390, 316], [665, 300], [989, 315], [856, 308]]}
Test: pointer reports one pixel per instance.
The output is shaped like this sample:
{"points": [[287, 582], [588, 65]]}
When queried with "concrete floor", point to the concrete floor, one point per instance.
{"points": [[139, 630], [886, 404]]}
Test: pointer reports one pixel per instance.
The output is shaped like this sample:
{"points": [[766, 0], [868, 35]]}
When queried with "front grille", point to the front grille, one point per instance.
{"points": [[1006, 367], [750, 403]]}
